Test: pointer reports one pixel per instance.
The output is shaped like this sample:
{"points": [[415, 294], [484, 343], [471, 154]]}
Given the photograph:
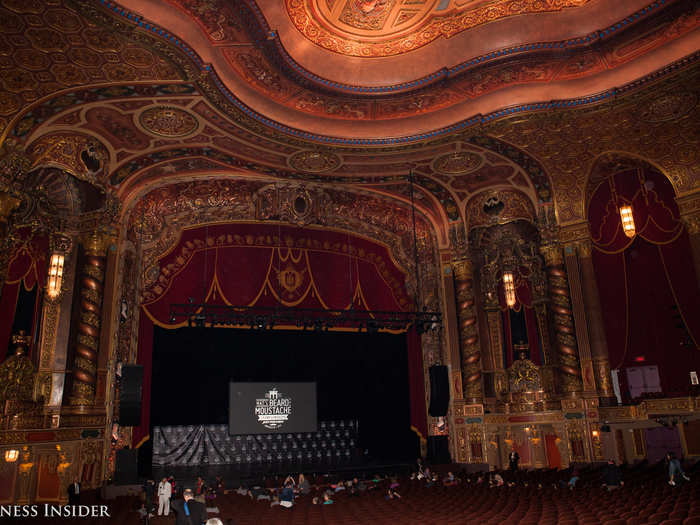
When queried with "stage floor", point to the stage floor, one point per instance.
{"points": [[234, 475]]}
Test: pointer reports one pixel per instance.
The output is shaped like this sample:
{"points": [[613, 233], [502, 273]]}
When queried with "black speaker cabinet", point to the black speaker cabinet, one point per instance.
{"points": [[126, 467], [130, 396], [439, 391]]}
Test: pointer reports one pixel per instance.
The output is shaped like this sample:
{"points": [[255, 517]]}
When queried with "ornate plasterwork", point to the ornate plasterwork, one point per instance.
{"points": [[568, 143], [457, 163], [380, 28], [313, 161], [498, 207], [168, 121], [156, 221]]}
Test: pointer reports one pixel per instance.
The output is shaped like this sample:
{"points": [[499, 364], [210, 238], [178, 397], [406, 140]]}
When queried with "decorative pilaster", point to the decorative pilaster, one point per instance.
{"points": [[689, 207], [562, 319], [468, 331], [88, 324], [596, 328]]}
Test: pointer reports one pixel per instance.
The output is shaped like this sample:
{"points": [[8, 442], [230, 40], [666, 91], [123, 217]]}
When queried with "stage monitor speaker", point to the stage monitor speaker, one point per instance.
{"points": [[130, 396], [439, 391], [126, 467]]}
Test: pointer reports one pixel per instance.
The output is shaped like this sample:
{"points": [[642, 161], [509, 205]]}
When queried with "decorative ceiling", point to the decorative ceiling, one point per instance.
{"points": [[377, 28], [175, 91]]}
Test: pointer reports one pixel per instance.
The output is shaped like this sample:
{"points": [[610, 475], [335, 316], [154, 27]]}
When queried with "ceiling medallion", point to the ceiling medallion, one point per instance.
{"points": [[670, 107], [168, 121], [314, 161], [457, 163]]}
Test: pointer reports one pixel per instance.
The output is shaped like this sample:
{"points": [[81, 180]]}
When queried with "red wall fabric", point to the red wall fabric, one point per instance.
{"points": [[256, 264], [28, 268], [648, 288]]}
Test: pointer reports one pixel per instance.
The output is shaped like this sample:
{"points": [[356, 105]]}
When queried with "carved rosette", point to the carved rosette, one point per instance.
{"points": [[468, 331], [562, 319], [88, 324]]}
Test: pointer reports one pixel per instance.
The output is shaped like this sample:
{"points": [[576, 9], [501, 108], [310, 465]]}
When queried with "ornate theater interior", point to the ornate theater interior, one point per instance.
{"points": [[512, 187]]}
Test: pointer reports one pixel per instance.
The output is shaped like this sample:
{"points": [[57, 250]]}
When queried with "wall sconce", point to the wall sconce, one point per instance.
{"points": [[627, 220], [509, 287], [53, 285], [595, 433], [11, 455]]}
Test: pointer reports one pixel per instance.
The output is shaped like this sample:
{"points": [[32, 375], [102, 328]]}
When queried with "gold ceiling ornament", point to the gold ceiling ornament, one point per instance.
{"points": [[168, 121], [314, 161], [457, 163]]}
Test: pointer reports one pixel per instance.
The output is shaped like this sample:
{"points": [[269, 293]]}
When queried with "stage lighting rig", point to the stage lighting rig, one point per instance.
{"points": [[267, 318]]}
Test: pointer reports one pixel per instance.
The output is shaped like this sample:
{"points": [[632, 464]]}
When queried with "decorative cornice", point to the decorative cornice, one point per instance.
{"points": [[209, 73], [594, 38]]}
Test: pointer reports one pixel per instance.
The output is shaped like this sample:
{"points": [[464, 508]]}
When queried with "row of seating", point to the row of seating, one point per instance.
{"points": [[535, 499]]}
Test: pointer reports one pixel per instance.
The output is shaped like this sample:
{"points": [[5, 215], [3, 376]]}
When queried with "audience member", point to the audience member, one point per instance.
{"points": [[303, 486], [612, 477], [188, 510], [674, 468], [165, 491]]}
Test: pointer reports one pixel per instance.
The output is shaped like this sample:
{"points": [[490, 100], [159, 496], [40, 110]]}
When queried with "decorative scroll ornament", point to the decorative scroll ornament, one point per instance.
{"points": [[168, 121], [524, 376]]}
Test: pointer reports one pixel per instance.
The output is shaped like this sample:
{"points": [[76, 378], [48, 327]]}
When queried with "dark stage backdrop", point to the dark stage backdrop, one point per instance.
{"points": [[358, 376]]}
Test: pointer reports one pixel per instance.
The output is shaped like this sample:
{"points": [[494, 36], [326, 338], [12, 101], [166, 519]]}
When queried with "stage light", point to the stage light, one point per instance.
{"points": [[627, 220], [53, 285], [509, 287], [11, 455]]}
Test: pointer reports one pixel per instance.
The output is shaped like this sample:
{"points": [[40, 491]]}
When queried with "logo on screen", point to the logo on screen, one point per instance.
{"points": [[273, 409]]}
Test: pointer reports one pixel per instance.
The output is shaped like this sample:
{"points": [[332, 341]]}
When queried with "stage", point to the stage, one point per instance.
{"points": [[235, 475]]}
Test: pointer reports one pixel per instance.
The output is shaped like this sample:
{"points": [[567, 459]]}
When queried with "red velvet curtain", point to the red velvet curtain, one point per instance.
{"points": [[27, 267], [523, 302], [647, 283], [257, 264]]}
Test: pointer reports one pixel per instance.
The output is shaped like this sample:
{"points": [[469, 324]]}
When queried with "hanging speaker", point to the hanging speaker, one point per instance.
{"points": [[439, 391], [130, 396]]}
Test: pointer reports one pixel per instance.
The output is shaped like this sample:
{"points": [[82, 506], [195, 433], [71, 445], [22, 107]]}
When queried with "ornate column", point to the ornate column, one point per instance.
{"points": [[87, 325], [468, 331], [689, 207], [596, 328], [562, 319]]}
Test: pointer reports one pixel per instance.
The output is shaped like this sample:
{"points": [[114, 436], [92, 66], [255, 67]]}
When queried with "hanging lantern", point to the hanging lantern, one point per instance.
{"points": [[627, 220], [53, 286], [509, 287], [11, 455]]}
